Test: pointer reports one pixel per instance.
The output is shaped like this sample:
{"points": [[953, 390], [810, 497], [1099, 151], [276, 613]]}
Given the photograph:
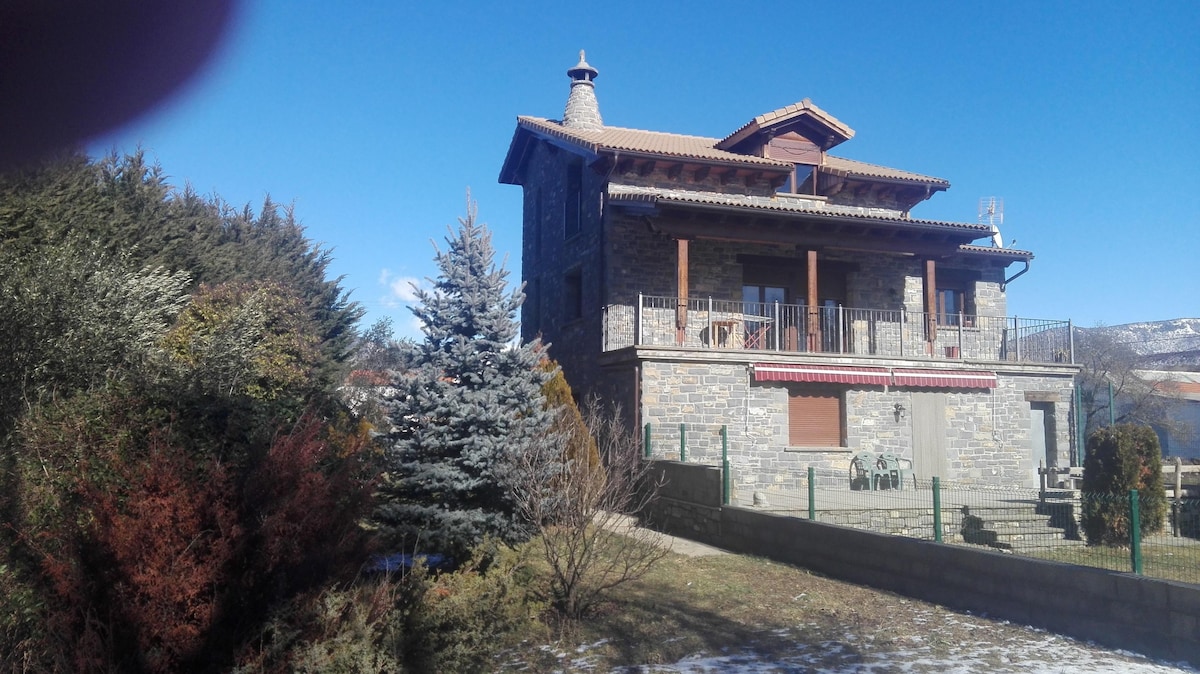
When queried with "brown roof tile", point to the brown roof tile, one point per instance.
{"points": [[636, 194], [787, 112], [998, 252], [700, 148], [618, 139], [862, 168]]}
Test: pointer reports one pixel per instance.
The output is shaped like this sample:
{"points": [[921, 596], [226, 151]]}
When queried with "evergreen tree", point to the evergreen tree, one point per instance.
{"points": [[127, 207], [471, 402]]}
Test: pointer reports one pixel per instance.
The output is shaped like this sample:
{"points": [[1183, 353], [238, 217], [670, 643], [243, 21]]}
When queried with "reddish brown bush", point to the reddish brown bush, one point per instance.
{"points": [[170, 534], [156, 556]]}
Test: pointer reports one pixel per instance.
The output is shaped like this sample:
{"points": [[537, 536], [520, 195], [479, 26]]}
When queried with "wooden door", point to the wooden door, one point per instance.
{"points": [[929, 435]]}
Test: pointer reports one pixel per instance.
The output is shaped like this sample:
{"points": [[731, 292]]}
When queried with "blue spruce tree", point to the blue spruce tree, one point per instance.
{"points": [[471, 401]]}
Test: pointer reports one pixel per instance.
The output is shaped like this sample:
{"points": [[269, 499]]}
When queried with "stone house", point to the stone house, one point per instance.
{"points": [[761, 283]]}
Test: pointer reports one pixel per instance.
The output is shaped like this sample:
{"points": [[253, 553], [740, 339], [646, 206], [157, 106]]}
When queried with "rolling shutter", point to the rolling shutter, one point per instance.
{"points": [[814, 418]]}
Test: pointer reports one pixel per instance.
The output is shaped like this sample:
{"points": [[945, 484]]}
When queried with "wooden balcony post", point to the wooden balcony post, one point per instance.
{"points": [[813, 310], [930, 305], [681, 284]]}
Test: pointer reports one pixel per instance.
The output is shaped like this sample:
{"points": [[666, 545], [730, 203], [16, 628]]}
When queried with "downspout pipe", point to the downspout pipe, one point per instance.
{"points": [[1010, 279]]}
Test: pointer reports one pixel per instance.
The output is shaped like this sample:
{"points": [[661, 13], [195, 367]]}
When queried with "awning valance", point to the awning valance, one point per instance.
{"points": [[874, 376], [944, 378], [831, 374]]}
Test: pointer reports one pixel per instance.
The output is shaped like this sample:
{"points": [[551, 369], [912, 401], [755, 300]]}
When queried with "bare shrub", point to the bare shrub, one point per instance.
{"points": [[583, 510]]}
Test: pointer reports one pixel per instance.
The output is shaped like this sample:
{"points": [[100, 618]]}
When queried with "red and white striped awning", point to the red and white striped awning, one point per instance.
{"points": [[831, 374], [944, 378]]}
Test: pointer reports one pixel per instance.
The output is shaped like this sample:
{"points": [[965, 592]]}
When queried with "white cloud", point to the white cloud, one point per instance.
{"points": [[405, 287], [401, 290], [416, 327]]}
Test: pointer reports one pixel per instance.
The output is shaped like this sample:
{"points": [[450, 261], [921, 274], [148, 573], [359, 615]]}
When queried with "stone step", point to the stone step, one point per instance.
{"points": [[1022, 525], [1009, 534], [1062, 494], [1000, 511], [1035, 544]]}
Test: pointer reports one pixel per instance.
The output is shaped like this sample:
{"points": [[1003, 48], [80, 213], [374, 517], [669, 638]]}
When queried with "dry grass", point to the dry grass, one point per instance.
{"points": [[1162, 557], [731, 603]]}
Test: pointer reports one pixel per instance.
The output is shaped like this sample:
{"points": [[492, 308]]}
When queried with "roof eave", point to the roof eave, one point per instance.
{"points": [[935, 184], [969, 232], [514, 160], [1010, 254]]}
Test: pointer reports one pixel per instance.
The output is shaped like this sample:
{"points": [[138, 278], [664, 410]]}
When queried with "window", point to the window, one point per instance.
{"points": [[573, 199], [536, 233], [816, 416], [573, 295], [532, 307], [955, 296], [800, 182]]}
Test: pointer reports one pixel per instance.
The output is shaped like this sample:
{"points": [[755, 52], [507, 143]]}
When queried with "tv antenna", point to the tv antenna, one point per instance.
{"points": [[991, 213]]}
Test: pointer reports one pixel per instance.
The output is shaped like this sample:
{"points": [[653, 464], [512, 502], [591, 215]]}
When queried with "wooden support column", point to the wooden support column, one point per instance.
{"points": [[813, 309], [681, 285], [930, 305]]}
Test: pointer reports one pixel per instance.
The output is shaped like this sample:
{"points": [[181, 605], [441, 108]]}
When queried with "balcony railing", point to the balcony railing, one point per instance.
{"points": [[721, 324]]}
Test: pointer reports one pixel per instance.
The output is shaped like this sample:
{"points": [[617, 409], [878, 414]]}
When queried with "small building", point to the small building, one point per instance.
{"points": [[762, 283], [1180, 437]]}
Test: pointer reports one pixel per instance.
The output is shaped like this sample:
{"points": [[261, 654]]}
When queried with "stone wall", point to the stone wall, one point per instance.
{"points": [[1156, 617], [549, 254], [987, 432]]}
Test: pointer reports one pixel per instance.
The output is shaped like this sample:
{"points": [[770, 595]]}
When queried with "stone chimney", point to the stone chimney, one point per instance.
{"points": [[583, 112]]}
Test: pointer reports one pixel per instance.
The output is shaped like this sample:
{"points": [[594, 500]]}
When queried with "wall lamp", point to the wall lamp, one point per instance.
{"points": [[898, 410]]}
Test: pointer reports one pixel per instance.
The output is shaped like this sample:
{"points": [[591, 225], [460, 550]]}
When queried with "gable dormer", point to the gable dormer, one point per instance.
{"points": [[802, 121], [799, 134]]}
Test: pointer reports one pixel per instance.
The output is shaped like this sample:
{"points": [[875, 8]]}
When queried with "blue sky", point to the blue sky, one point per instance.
{"points": [[374, 118]]}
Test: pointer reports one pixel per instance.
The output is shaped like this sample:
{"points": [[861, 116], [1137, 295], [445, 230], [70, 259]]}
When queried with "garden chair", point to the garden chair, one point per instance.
{"points": [[898, 471], [867, 472], [860, 476]]}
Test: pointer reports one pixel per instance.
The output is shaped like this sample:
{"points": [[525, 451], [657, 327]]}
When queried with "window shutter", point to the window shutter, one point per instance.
{"points": [[814, 419]]}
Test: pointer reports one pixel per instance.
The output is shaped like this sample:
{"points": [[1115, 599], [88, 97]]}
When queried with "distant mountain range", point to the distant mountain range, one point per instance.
{"points": [[1161, 345]]}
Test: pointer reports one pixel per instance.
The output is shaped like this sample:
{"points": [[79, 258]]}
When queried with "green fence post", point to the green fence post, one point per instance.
{"points": [[683, 443], [937, 509], [724, 465], [1135, 532], [646, 442], [812, 494]]}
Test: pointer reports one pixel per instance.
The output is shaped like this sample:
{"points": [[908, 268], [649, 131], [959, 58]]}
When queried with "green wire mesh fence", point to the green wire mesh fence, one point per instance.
{"points": [[1131, 532]]}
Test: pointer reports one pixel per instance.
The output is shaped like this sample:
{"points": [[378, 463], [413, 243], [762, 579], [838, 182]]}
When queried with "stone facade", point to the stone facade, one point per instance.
{"points": [[987, 433]]}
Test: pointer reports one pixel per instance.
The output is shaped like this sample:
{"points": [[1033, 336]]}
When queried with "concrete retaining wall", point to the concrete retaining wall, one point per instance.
{"points": [[1156, 617]]}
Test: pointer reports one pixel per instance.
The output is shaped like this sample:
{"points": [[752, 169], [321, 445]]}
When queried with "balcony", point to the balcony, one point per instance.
{"points": [[791, 328]]}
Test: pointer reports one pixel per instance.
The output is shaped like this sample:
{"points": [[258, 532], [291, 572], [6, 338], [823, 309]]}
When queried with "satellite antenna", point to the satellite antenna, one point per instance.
{"points": [[991, 213]]}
